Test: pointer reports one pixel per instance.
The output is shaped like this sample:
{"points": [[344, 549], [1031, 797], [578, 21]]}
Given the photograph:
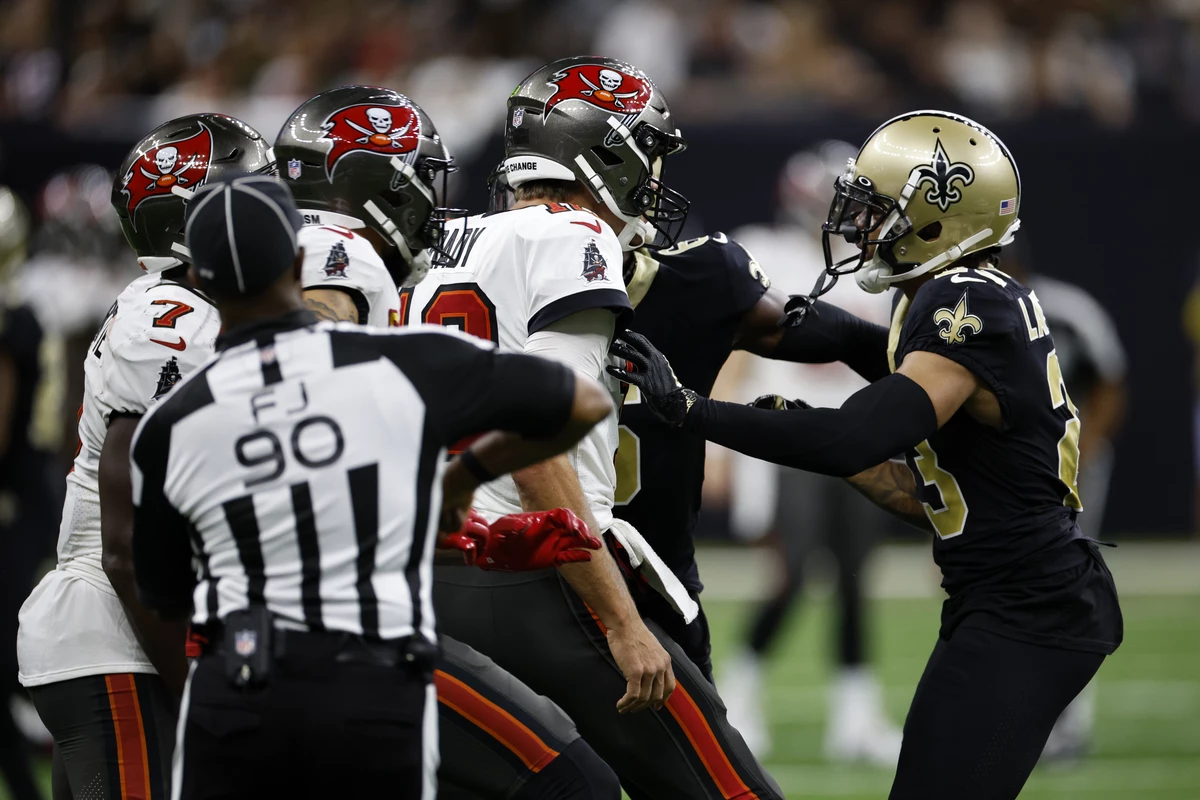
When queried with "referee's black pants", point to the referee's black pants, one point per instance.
{"points": [[318, 728]]}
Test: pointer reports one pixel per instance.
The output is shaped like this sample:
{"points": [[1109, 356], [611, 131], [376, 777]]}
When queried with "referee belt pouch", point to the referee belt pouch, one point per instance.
{"points": [[248, 647]]}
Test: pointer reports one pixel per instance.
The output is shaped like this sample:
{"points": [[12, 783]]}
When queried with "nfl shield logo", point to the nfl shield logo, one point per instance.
{"points": [[294, 169], [245, 642], [518, 117]]}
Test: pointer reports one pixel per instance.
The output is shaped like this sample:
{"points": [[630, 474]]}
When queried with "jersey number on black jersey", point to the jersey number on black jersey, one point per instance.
{"points": [[941, 494]]}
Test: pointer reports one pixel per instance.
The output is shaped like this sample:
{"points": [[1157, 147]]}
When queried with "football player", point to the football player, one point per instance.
{"points": [[585, 141], [362, 163], [967, 387], [102, 670]]}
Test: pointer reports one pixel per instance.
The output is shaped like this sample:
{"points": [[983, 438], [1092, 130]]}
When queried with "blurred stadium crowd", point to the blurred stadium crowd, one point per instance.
{"points": [[144, 60]]}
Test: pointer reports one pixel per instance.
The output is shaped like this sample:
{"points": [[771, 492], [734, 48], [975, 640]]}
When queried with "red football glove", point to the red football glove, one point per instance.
{"points": [[471, 539], [536, 540]]}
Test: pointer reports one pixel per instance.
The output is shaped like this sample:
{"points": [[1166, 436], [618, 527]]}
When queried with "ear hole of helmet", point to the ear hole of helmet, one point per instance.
{"points": [[607, 157], [931, 232]]}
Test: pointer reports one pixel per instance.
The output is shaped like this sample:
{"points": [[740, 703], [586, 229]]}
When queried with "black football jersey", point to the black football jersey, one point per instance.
{"points": [[689, 301], [994, 496], [1003, 501]]}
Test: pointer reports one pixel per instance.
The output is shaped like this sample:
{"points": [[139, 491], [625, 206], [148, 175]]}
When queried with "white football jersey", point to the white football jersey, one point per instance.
{"points": [[519, 272], [337, 258], [73, 624]]}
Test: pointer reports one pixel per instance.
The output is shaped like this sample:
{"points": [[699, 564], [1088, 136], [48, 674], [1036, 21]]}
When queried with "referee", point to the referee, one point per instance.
{"points": [[301, 472]]}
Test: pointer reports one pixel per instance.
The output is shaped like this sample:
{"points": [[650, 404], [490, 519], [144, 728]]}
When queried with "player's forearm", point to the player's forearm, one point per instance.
{"points": [[891, 486], [877, 423], [162, 640], [829, 334], [555, 484]]}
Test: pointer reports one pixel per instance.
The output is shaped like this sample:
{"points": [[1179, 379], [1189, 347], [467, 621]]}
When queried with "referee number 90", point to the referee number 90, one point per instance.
{"points": [[315, 442]]}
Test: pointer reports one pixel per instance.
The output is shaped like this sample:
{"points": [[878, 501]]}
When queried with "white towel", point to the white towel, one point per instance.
{"points": [[647, 562]]}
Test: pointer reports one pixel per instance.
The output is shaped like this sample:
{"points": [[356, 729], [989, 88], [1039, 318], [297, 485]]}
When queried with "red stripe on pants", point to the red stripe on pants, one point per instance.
{"points": [[685, 711], [498, 723], [132, 758]]}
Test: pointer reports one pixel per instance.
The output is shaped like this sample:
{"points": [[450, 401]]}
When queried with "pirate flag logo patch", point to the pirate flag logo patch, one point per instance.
{"points": [[168, 376], [595, 268], [336, 263]]}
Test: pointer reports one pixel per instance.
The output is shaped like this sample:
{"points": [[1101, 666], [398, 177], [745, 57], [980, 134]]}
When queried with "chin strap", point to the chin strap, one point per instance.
{"points": [[876, 275], [153, 264], [634, 226]]}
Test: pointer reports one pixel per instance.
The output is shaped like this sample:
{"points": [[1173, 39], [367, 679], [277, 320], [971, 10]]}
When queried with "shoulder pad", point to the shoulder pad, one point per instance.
{"points": [[964, 304], [157, 337], [717, 252], [336, 257], [560, 221]]}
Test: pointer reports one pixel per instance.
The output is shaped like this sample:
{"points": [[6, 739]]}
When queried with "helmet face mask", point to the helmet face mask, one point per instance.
{"points": [[858, 214], [604, 124], [371, 158]]}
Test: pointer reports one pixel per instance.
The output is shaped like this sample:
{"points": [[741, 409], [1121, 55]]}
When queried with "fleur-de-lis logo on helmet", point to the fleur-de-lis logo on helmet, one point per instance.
{"points": [[956, 322], [941, 175]]}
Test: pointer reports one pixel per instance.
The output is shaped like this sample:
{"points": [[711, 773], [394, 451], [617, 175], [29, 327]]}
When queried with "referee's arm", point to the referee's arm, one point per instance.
{"points": [[530, 408], [162, 550]]}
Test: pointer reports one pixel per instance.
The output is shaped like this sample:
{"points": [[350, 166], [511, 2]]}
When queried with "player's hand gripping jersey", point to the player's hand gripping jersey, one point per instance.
{"points": [[73, 624], [519, 273], [337, 258]]}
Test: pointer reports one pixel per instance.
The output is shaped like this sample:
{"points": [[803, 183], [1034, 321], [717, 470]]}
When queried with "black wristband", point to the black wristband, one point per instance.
{"points": [[471, 464]]}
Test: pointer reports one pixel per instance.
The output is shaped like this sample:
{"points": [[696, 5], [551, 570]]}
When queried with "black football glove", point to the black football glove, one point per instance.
{"points": [[652, 375], [775, 402]]}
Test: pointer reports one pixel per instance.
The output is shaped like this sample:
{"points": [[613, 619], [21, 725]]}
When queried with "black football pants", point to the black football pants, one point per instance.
{"points": [[500, 740], [536, 628], [113, 735], [318, 728], [981, 715]]}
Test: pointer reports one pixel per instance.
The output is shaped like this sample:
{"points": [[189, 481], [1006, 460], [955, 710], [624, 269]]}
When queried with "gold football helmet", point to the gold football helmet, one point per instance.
{"points": [[927, 188]]}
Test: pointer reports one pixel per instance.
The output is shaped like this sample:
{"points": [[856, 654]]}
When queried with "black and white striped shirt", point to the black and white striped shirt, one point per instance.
{"points": [[301, 469]]}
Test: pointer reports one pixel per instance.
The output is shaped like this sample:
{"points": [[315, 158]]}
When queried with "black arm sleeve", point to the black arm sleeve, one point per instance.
{"points": [[162, 549], [879, 422], [828, 334]]}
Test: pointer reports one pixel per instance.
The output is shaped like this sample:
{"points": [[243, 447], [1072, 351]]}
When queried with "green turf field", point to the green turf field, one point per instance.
{"points": [[1148, 700], [1148, 703]]}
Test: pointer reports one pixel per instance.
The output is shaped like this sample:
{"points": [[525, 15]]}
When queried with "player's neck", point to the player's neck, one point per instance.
{"points": [[277, 300], [909, 288]]}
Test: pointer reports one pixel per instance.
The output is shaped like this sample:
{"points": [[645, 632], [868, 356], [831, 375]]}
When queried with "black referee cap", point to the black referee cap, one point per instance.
{"points": [[241, 231]]}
